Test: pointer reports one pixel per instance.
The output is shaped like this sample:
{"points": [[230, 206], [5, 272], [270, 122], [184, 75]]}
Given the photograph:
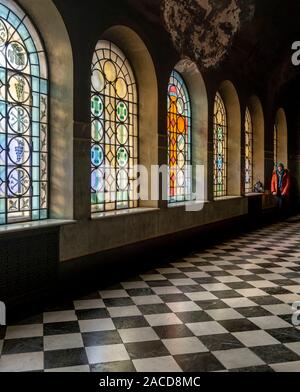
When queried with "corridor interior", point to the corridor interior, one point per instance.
{"points": [[225, 308]]}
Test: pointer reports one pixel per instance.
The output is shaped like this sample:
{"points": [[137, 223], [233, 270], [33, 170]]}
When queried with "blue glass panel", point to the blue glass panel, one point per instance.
{"points": [[35, 129], [35, 99], [44, 86], [35, 84], [13, 20], [36, 160], [34, 60], [2, 219], [43, 214], [30, 46], [23, 32], [35, 70], [3, 11], [35, 203], [35, 114], [35, 215], [2, 205], [36, 143], [36, 189]]}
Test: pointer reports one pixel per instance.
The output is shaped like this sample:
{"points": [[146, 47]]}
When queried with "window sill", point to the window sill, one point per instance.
{"points": [[253, 194], [184, 204], [118, 214], [224, 198], [29, 226]]}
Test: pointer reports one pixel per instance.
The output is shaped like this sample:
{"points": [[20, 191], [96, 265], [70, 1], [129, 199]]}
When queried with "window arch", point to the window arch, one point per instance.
{"points": [[281, 138], [23, 119], [248, 152], [220, 147], [275, 142], [179, 140], [114, 113]]}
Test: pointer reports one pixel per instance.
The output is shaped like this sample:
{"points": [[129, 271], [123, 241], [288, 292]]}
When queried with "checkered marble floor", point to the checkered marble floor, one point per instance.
{"points": [[227, 308]]}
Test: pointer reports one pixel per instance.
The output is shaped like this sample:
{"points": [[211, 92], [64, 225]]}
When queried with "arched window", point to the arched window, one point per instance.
{"points": [[275, 145], [23, 119], [179, 140], [220, 148], [248, 152], [114, 149]]}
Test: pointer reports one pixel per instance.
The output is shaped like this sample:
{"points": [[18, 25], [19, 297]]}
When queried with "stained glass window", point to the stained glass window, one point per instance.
{"points": [[248, 152], [220, 148], [179, 140], [23, 119], [114, 149], [275, 144]]}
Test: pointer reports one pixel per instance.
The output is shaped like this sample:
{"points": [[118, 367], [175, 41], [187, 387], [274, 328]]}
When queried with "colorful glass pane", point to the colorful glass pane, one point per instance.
{"points": [[114, 114], [248, 152], [179, 140], [220, 148], [23, 119]]}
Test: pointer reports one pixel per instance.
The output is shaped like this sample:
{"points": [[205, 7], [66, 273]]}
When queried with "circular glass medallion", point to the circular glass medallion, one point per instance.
{"points": [[122, 156], [97, 155], [181, 124], [110, 71], [122, 111], [181, 142], [181, 160], [121, 88], [98, 81], [180, 178], [3, 33], [180, 106], [19, 150], [97, 130], [97, 181], [97, 106], [122, 180], [19, 88], [19, 182], [16, 56], [122, 134], [18, 119]]}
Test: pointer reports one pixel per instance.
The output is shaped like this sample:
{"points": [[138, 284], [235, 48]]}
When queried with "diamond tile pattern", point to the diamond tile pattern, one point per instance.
{"points": [[227, 308]]}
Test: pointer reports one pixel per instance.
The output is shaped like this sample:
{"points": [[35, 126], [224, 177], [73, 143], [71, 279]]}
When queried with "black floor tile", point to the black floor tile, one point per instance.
{"points": [[101, 338], [240, 325], [193, 317], [92, 314], [212, 304], [146, 350], [286, 335], [140, 292], [221, 342], [116, 302], [61, 328], [171, 298], [255, 311], [113, 367], [154, 309], [65, 358], [275, 354], [173, 331], [130, 322], [196, 363], [19, 346]]}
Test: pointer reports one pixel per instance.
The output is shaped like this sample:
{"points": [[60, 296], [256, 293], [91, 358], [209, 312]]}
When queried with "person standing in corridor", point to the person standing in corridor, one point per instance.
{"points": [[280, 187]]}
